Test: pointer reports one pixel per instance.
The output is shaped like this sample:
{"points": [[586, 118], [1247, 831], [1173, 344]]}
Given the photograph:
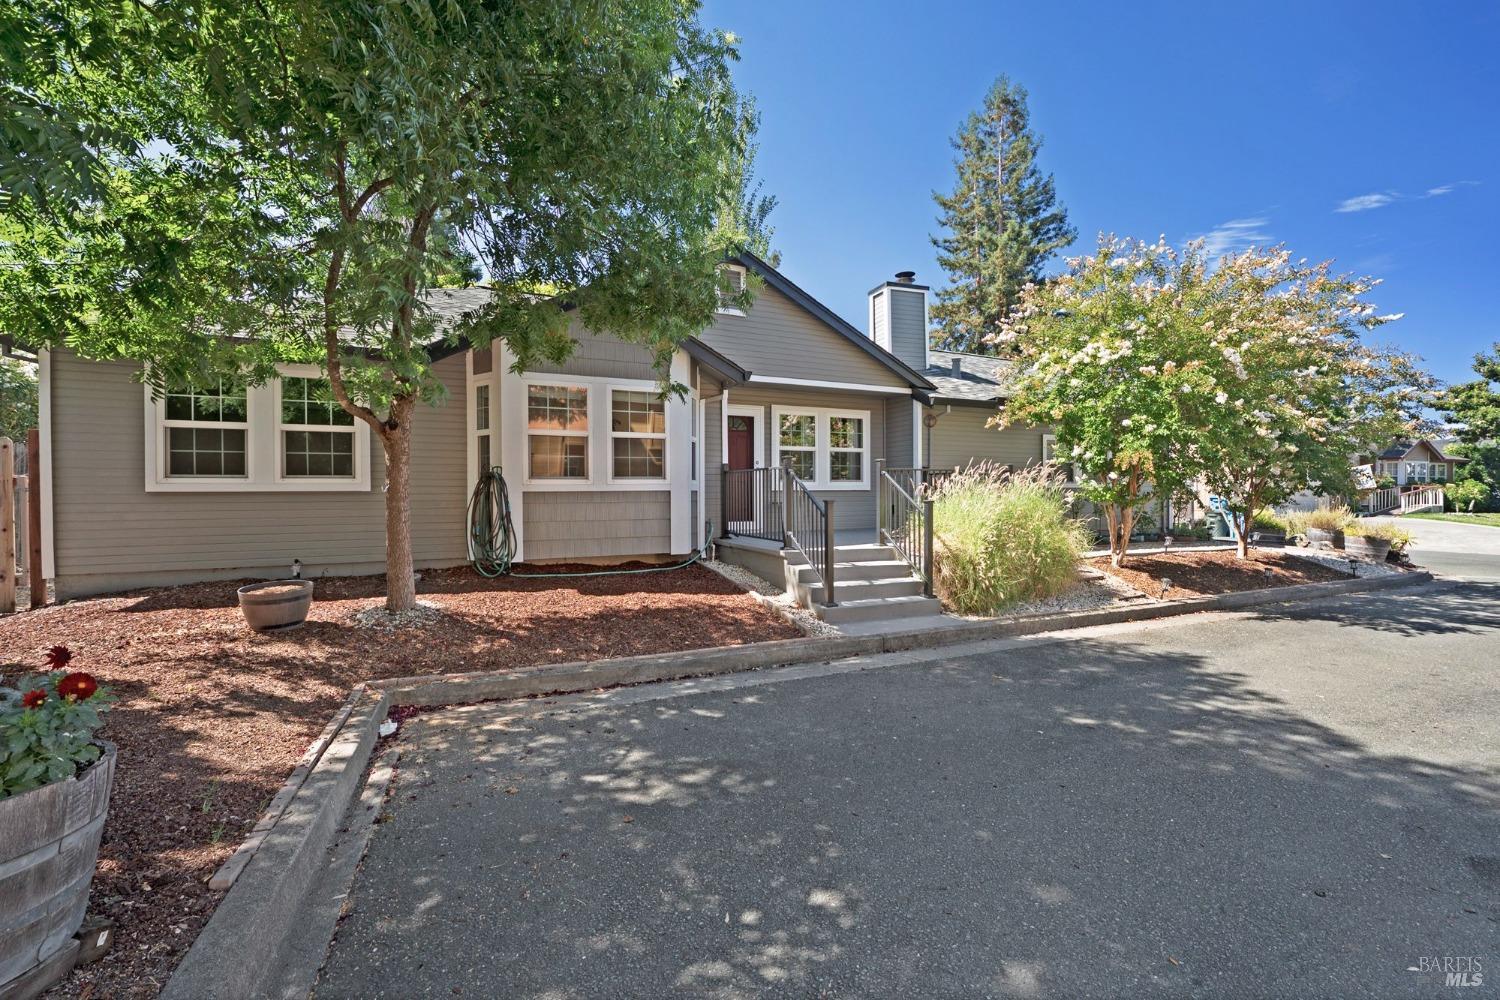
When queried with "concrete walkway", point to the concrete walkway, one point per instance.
{"points": [[1275, 804]]}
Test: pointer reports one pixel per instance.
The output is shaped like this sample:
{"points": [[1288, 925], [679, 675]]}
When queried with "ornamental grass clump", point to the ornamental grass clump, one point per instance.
{"points": [[1003, 537], [47, 725], [1324, 519]]}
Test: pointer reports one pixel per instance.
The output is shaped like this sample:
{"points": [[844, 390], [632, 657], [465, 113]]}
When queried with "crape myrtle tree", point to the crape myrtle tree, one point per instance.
{"points": [[298, 174], [1107, 363], [1161, 373], [1293, 390]]}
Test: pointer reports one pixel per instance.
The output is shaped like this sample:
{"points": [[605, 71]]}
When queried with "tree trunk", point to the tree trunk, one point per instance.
{"points": [[400, 580]]}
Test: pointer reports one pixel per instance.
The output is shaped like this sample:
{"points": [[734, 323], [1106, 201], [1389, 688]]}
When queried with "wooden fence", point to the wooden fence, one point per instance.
{"points": [[20, 525]]}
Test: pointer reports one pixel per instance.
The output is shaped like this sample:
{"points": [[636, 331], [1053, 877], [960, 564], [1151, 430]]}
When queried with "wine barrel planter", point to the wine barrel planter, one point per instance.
{"points": [[277, 605], [1320, 537], [1364, 547], [49, 843]]}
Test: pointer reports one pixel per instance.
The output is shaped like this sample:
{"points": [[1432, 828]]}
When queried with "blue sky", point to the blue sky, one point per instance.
{"points": [[1241, 124]]}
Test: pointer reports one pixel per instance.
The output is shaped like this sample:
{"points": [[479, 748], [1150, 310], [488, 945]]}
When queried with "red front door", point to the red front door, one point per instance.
{"points": [[740, 490]]}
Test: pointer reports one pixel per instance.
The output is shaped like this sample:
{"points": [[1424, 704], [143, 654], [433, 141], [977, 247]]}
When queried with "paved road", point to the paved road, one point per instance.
{"points": [[1470, 551], [1285, 804]]}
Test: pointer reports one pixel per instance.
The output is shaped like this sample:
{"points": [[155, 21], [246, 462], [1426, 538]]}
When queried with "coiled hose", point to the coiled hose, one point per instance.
{"points": [[492, 535]]}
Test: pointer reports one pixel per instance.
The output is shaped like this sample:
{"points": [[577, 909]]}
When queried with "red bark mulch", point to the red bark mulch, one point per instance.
{"points": [[1216, 571], [212, 717]]}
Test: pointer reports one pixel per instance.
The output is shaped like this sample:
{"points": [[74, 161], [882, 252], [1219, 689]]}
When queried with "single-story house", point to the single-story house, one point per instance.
{"points": [[228, 482], [1411, 463]]}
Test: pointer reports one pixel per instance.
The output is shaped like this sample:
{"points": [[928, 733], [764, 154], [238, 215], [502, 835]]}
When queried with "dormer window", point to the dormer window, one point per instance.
{"points": [[731, 287]]}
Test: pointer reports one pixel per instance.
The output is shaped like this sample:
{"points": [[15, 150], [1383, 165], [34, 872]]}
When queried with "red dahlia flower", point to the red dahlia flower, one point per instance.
{"points": [[58, 657], [77, 686], [33, 698]]}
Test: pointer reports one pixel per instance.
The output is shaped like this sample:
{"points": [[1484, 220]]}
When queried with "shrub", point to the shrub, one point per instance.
{"points": [[1267, 519], [1375, 529], [1326, 519], [1460, 495], [1002, 538], [47, 726], [1385, 483]]}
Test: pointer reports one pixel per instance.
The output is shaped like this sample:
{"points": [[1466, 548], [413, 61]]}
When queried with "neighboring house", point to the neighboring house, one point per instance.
{"points": [[230, 483], [1412, 463]]}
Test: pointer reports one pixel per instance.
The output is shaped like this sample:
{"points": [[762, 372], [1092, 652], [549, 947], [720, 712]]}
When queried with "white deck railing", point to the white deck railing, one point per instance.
{"points": [[1425, 498]]}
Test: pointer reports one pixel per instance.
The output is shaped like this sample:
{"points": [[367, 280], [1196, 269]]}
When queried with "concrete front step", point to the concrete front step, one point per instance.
{"points": [[879, 609], [810, 591], [883, 569], [868, 552]]}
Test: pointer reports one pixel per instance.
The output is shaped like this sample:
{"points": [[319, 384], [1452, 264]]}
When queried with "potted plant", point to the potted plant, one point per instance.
{"points": [[1267, 529], [277, 605], [55, 777], [1367, 540], [1325, 528]]}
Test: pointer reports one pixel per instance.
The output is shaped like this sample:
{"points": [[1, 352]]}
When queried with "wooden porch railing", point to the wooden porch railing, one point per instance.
{"points": [[1425, 498]]}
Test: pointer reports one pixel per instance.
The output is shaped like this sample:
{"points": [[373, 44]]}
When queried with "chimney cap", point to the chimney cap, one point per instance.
{"points": [[906, 277]]}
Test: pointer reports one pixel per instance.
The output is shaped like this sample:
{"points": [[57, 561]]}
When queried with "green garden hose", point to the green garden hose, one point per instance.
{"points": [[492, 535]]}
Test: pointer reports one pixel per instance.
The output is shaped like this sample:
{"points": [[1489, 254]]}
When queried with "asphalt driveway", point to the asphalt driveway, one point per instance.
{"points": [[1282, 804]]}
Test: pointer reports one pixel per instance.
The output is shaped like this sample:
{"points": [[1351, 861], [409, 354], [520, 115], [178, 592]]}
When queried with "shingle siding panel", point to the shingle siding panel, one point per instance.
{"points": [[961, 437]]}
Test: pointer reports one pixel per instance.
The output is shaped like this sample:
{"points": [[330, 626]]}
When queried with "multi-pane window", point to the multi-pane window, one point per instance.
{"points": [[317, 434], [1049, 456], [731, 286], [798, 443], [206, 430], [482, 428], [637, 434], [557, 425], [846, 449]]}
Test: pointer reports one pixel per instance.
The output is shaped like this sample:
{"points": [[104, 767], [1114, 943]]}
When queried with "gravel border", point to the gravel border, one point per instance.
{"points": [[1337, 560], [774, 597]]}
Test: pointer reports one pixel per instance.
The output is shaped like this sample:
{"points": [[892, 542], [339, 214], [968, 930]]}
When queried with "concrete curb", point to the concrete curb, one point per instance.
{"points": [[584, 675], [238, 952]]}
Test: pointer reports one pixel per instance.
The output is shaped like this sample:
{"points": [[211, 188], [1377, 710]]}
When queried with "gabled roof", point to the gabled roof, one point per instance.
{"points": [[1401, 449], [981, 380], [727, 371], [833, 321]]}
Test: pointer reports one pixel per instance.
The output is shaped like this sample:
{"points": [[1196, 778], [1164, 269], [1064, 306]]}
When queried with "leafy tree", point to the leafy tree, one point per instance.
{"points": [[301, 173], [1104, 360], [1002, 221], [1160, 375], [1291, 390], [18, 398], [1475, 408]]}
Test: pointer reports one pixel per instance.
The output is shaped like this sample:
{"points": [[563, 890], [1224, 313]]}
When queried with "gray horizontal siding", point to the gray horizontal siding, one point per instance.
{"points": [[961, 437], [589, 524], [777, 338], [111, 534], [853, 509], [898, 430]]}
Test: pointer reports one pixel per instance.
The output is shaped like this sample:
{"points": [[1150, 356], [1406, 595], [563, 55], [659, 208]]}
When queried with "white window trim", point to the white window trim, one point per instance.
{"points": [[590, 394], [514, 414], [724, 310], [662, 480], [262, 448], [1049, 443], [821, 450], [361, 449]]}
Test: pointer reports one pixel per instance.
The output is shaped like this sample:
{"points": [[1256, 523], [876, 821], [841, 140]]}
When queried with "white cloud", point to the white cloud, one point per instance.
{"points": [[1365, 202], [1440, 189], [1234, 235]]}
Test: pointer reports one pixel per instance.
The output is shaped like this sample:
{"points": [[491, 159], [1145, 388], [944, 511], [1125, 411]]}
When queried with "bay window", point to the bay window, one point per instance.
{"points": [[637, 435], [557, 432]]}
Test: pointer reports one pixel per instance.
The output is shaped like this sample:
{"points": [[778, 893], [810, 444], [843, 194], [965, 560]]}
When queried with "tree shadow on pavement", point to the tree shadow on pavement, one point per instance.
{"points": [[1062, 819]]}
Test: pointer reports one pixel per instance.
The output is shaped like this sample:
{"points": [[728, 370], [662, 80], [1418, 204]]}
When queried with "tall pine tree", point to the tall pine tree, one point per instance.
{"points": [[1003, 220]]}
